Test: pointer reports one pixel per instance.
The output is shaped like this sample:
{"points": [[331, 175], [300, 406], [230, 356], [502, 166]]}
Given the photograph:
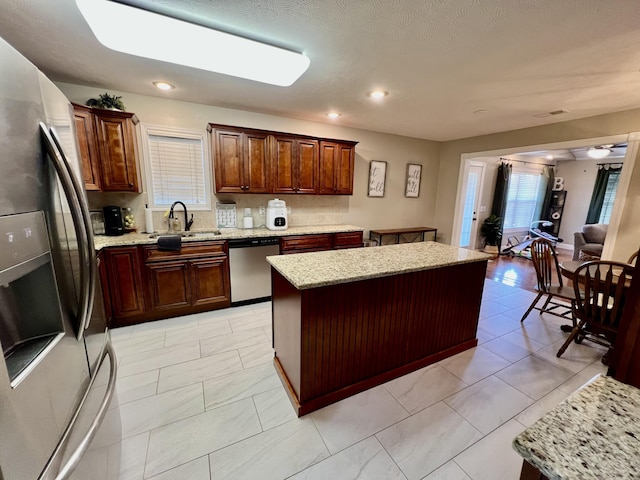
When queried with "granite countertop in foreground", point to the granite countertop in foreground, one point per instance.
{"points": [[593, 434], [102, 241], [318, 269]]}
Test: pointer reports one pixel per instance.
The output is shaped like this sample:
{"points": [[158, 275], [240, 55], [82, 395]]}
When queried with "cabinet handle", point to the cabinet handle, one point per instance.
{"points": [[131, 185]]}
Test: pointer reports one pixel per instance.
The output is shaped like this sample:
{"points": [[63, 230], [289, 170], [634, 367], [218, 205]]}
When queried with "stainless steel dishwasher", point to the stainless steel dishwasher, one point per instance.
{"points": [[249, 270]]}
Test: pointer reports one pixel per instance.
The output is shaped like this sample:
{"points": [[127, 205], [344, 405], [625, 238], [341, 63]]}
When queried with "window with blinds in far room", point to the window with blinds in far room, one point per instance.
{"points": [[522, 199], [609, 196], [177, 168]]}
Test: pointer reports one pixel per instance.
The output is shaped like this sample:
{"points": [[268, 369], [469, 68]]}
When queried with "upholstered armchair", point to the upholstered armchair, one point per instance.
{"points": [[590, 239]]}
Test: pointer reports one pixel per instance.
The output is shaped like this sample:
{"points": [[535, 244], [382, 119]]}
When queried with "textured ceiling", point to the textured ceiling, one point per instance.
{"points": [[440, 60]]}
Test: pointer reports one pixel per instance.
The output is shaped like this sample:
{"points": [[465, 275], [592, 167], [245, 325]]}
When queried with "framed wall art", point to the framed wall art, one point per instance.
{"points": [[412, 185], [377, 178]]}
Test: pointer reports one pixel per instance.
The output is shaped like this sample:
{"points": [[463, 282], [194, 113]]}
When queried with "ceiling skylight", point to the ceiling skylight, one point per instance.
{"points": [[150, 35]]}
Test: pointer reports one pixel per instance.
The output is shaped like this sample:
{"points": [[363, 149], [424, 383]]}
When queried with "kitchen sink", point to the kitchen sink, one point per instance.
{"points": [[188, 234]]}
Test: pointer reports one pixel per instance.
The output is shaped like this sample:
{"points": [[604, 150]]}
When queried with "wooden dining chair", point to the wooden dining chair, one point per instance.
{"points": [[545, 262], [600, 287], [633, 258]]}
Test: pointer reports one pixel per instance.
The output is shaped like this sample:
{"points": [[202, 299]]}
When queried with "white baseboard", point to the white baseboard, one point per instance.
{"points": [[564, 246]]}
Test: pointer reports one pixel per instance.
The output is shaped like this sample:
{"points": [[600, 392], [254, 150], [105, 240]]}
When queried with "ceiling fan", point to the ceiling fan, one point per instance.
{"points": [[599, 152]]}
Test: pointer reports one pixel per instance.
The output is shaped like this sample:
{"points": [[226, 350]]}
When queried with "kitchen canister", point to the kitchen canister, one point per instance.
{"points": [[247, 220]]}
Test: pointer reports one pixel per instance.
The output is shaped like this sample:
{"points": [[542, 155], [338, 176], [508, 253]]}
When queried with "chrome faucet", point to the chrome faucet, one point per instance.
{"points": [[187, 223]]}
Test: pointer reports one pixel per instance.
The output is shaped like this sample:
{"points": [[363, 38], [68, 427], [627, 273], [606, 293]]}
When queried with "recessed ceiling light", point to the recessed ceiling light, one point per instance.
{"points": [[378, 94], [164, 85], [549, 157], [334, 115], [167, 39]]}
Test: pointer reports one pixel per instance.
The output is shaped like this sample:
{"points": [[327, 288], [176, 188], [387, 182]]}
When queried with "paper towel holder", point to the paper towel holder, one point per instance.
{"points": [[148, 219]]}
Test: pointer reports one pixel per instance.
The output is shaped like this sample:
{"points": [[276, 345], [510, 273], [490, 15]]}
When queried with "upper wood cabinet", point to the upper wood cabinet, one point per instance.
{"points": [[295, 164], [336, 168], [107, 148], [89, 156], [241, 160], [260, 161]]}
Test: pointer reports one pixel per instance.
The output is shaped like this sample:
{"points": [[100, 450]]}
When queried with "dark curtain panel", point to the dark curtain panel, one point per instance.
{"points": [[499, 206], [597, 197], [548, 196]]}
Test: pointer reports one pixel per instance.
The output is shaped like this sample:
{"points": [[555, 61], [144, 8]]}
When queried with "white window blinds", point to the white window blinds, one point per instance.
{"points": [[522, 199], [609, 196], [176, 168]]}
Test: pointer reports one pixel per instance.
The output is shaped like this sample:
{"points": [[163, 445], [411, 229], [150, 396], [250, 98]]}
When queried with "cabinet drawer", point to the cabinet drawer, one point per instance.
{"points": [[306, 242], [348, 239], [188, 250]]}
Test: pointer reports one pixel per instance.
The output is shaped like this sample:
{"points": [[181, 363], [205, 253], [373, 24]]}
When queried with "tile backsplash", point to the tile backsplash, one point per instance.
{"points": [[303, 209]]}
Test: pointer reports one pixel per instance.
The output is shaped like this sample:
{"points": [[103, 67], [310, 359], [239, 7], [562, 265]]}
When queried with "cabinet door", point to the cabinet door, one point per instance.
{"points": [[210, 281], [328, 156], [344, 169], [228, 161], [307, 165], [256, 163], [295, 164], [306, 243], [283, 161], [336, 168], [347, 240], [125, 281], [169, 284], [115, 136], [85, 129]]}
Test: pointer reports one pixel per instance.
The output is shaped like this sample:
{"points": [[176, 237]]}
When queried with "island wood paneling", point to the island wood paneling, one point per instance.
{"points": [[332, 342]]}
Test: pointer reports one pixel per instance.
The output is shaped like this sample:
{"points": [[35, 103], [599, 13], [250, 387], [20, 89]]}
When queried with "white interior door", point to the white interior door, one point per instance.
{"points": [[473, 188]]}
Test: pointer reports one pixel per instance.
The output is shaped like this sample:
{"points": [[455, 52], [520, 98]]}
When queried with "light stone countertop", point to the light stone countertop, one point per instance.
{"points": [[593, 434], [318, 269], [102, 241]]}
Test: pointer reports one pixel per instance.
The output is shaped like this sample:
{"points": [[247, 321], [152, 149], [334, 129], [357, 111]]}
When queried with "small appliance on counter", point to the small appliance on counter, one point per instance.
{"points": [[276, 215], [113, 223], [247, 220], [97, 222]]}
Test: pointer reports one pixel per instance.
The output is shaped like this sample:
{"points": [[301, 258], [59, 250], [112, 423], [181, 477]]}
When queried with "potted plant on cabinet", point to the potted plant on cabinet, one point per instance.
{"points": [[106, 101], [491, 230]]}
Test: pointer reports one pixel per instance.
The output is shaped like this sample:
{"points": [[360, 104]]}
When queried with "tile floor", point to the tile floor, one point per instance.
{"points": [[200, 400]]}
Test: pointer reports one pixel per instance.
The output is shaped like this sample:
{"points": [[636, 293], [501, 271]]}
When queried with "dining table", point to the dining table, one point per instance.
{"points": [[568, 269]]}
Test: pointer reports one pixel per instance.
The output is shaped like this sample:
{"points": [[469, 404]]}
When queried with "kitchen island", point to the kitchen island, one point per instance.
{"points": [[347, 320]]}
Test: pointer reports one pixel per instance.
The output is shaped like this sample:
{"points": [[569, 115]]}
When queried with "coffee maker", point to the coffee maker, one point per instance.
{"points": [[113, 224]]}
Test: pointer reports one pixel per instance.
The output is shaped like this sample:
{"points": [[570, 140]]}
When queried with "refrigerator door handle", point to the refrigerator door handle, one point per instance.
{"points": [[80, 213], [74, 459], [87, 239]]}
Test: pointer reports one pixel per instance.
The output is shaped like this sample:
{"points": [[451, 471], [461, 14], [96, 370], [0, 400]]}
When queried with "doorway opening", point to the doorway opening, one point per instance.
{"points": [[573, 170]]}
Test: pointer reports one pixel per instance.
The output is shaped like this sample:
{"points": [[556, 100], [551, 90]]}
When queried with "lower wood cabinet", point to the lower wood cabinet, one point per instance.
{"points": [[145, 283], [169, 284], [123, 284], [319, 242]]}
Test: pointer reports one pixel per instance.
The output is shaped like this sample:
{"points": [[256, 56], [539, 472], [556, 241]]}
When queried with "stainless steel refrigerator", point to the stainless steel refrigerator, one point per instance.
{"points": [[59, 414]]}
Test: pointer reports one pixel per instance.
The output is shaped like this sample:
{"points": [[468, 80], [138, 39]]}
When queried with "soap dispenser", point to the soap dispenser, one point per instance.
{"points": [[247, 220]]}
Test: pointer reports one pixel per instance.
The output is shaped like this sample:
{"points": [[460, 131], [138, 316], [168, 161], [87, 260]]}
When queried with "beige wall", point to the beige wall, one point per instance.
{"points": [[579, 179], [393, 210], [594, 127]]}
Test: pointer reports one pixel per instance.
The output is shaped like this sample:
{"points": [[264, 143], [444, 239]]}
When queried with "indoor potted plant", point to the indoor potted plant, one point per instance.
{"points": [[491, 230], [106, 101]]}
